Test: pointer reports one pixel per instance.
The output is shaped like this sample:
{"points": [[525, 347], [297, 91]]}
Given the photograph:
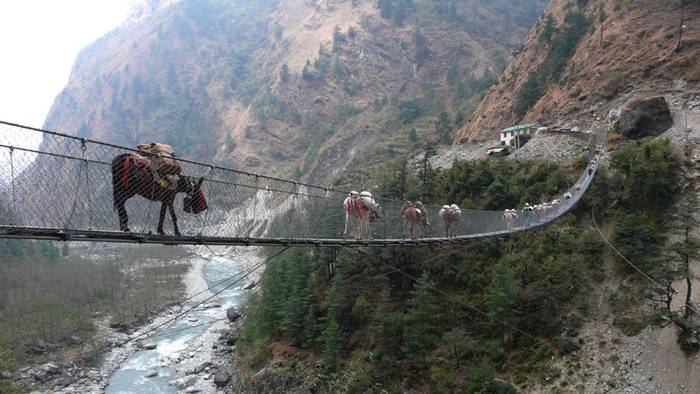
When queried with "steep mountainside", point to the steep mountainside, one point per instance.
{"points": [[292, 87], [567, 66]]}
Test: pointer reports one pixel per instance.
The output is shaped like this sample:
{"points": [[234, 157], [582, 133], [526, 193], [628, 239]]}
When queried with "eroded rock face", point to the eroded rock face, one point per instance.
{"points": [[645, 117]]}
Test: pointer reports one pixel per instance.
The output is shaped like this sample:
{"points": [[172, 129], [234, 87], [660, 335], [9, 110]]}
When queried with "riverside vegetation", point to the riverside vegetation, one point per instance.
{"points": [[54, 300], [370, 328]]}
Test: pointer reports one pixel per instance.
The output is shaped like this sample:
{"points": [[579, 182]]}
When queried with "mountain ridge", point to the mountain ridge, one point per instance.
{"points": [[206, 76]]}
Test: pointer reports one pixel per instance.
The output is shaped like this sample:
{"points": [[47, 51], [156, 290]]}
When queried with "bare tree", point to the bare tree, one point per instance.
{"points": [[602, 16], [681, 26]]}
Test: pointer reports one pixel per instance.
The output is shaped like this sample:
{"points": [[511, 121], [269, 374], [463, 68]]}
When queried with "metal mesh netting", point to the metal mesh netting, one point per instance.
{"points": [[65, 186]]}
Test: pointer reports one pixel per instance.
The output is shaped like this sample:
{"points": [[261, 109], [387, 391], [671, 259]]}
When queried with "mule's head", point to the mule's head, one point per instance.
{"points": [[194, 201], [376, 213]]}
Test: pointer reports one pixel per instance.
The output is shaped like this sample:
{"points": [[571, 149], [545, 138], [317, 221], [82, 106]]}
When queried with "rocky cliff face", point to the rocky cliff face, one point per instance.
{"points": [[566, 66], [291, 87]]}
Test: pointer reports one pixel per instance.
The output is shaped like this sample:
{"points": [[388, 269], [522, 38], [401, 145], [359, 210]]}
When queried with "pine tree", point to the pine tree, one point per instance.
{"points": [[460, 91], [294, 306], [481, 379], [307, 74], [443, 127], [529, 94], [338, 39], [332, 344], [396, 184], [385, 8], [400, 11], [548, 30], [452, 74], [335, 311], [310, 327], [501, 295], [385, 329], [273, 295], [459, 118], [456, 340], [421, 333], [284, 73], [422, 51], [412, 135], [687, 246]]}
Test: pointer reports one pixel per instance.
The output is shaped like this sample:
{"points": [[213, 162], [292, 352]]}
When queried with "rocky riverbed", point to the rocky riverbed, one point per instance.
{"points": [[180, 350]]}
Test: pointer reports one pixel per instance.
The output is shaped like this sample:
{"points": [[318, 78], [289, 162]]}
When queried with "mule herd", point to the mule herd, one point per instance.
{"points": [[363, 209]]}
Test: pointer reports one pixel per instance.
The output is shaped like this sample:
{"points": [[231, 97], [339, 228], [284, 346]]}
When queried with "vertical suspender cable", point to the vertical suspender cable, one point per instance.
{"points": [[155, 180], [69, 220], [14, 197], [89, 193], [206, 213]]}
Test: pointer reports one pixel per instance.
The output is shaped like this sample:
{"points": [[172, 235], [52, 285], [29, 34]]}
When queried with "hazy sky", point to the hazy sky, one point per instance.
{"points": [[39, 40]]}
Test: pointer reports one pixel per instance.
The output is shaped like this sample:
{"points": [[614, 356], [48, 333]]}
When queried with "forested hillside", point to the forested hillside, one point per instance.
{"points": [[488, 316]]}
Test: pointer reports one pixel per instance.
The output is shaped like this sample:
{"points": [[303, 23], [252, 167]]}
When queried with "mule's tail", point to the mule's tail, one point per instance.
{"points": [[120, 177]]}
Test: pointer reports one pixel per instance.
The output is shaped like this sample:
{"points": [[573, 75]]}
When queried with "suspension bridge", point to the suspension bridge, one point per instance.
{"points": [[62, 190]]}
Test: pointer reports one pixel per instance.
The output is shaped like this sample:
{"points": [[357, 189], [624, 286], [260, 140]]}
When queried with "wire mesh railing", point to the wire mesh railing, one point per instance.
{"points": [[70, 188]]}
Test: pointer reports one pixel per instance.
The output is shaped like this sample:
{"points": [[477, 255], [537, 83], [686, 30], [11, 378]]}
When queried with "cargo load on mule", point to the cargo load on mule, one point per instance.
{"points": [[165, 167]]}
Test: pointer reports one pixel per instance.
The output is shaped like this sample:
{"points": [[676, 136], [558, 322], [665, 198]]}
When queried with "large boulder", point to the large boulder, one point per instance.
{"points": [[36, 346], [233, 314], [149, 345], [185, 382], [221, 378], [644, 117], [51, 368]]}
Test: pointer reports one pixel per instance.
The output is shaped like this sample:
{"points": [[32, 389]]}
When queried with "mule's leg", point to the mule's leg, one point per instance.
{"points": [[123, 217], [171, 208], [345, 231], [161, 218]]}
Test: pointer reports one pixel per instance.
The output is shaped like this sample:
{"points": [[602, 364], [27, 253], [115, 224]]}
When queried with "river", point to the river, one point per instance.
{"points": [[187, 343]]}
